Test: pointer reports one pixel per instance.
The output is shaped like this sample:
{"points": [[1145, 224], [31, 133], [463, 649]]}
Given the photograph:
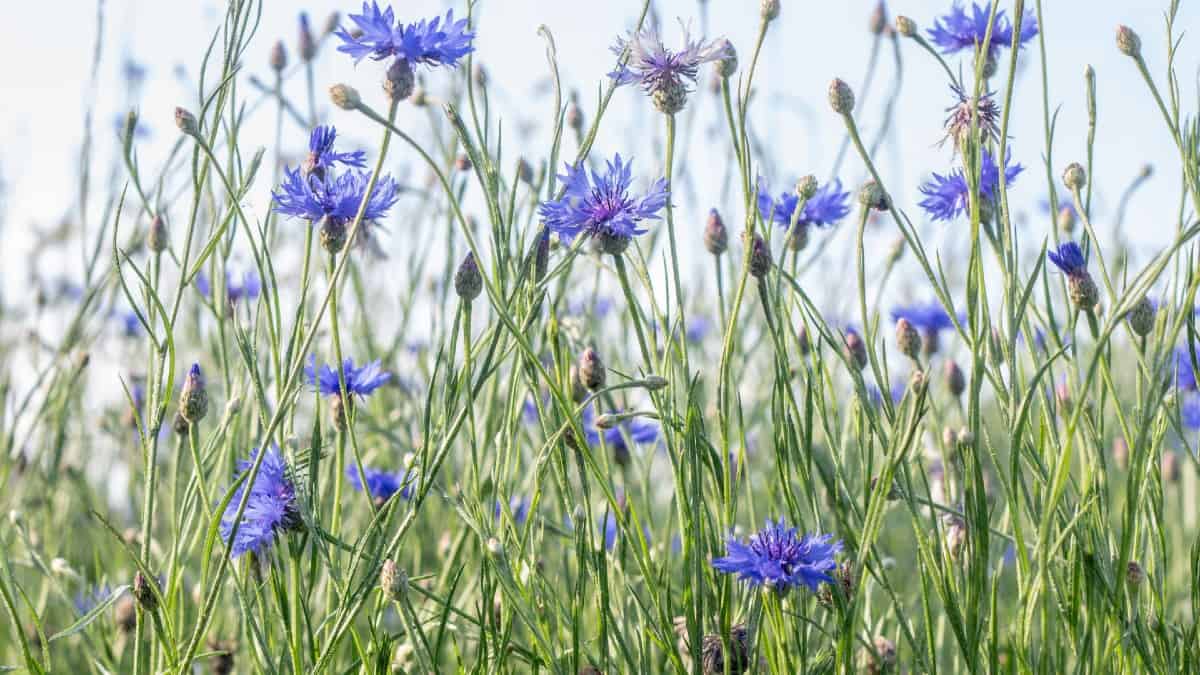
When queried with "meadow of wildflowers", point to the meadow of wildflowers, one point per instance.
{"points": [[572, 452]]}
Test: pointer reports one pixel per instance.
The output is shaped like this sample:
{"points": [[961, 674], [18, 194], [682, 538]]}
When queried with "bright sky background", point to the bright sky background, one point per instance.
{"points": [[46, 87]]}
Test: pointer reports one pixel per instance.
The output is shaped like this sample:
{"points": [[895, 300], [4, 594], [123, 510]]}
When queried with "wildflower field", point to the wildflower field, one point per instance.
{"points": [[481, 387]]}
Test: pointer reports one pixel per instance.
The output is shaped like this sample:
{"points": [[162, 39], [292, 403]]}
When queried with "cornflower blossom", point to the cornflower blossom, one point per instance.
{"points": [[440, 42], [948, 196], [383, 484], [957, 30], [360, 380], [322, 156], [248, 288], [599, 205], [779, 558], [828, 205], [663, 73], [270, 508]]}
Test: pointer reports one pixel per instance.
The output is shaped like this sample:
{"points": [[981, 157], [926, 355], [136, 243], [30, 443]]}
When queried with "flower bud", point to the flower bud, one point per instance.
{"points": [[392, 580], [143, 592], [1134, 574], [495, 548], [606, 421], [400, 80], [956, 383], [468, 282], [802, 340], [1128, 41], [193, 400], [878, 20], [856, 350], [591, 369], [906, 26], [1170, 467], [1074, 176], [956, 537], [1066, 220], [769, 10], [524, 171], [885, 655], [156, 236], [574, 115], [907, 338], [716, 237], [872, 196], [797, 237], [541, 257], [345, 97], [654, 382], [1141, 317], [806, 187], [1120, 452], [760, 258], [728, 63], [579, 391], [186, 122], [278, 58], [949, 437], [462, 163], [841, 97], [307, 45]]}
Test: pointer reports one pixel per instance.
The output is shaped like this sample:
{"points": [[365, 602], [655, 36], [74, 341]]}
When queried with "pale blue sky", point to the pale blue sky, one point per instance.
{"points": [[45, 85]]}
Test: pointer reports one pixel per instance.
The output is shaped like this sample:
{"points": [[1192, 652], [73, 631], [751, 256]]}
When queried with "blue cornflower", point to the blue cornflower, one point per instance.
{"points": [[640, 431], [322, 156], [92, 597], [131, 325], [661, 72], [698, 328], [947, 196], [779, 558], [361, 380], [270, 509], [433, 43], [140, 130], [598, 307], [338, 196], [1189, 410], [383, 484], [828, 205], [1069, 259], [608, 524], [518, 505], [247, 289], [957, 31], [1185, 375], [876, 395], [602, 207]]}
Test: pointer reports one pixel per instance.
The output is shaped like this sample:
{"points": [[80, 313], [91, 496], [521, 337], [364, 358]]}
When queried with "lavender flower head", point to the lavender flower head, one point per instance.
{"points": [[662, 73], [383, 484], [322, 156], [601, 206], [957, 30], [440, 42], [948, 196], [779, 558], [827, 206], [270, 509], [360, 381]]}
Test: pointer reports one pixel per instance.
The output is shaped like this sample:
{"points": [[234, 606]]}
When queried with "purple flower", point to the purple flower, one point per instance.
{"points": [[827, 206], [361, 380], [270, 509], [433, 43], [322, 156], [518, 505], [602, 206], [248, 288], [1068, 258], [338, 196], [698, 328], [1185, 375], [947, 196], [658, 69], [1189, 410], [608, 525], [92, 597], [778, 558], [957, 30], [383, 484]]}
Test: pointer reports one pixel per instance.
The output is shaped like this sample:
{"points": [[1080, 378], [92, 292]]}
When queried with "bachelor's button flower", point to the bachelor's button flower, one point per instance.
{"points": [[247, 289], [601, 206], [828, 205], [383, 484], [957, 30], [1189, 411], [698, 327], [608, 524], [270, 509], [779, 558], [640, 431], [361, 380], [92, 597], [1185, 375], [664, 74], [337, 196], [440, 42], [322, 156], [1069, 259], [985, 112], [518, 505], [947, 196]]}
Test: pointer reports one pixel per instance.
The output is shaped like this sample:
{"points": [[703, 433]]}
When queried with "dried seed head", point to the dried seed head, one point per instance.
{"points": [[345, 97], [400, 80], [906, 26], [1128, 42], [1141, 317], [468, 282], [591, 369], [1074, 176], [841, 97], [907, 338], [716, 237]]}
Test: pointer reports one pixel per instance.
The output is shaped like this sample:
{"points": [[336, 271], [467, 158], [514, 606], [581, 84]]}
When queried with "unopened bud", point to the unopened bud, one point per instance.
{"points": [[186, 122], [806, 187], [278, 58], [1066, 220], [307, 45], [345, 97], [956, 383], [728, 63], [907, 338], [392, 580], [872, 196], [143, 592], [591, 369], [760, 258], [878, 20], [906, 26], [1134, 574], [716, 237], [606, 421], [1141, 317], [841, 97], [468, 282], [769, 10], [193, 399], [1128, 41], [156, 235], [856, 350], [654, 382], [1074, 176]]}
